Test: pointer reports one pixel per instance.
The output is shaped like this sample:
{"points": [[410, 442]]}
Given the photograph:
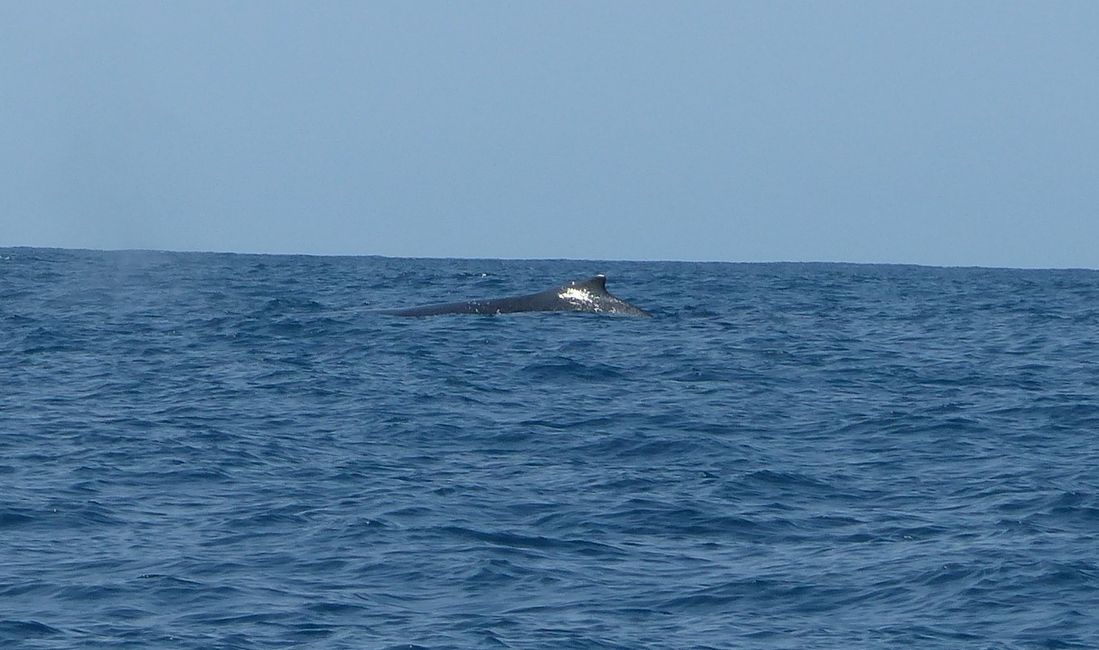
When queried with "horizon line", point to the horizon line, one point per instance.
{"points": [[554, 259]]}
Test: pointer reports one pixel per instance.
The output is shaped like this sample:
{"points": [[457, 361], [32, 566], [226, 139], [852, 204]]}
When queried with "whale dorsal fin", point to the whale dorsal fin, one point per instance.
{"points": [[594, 284]]}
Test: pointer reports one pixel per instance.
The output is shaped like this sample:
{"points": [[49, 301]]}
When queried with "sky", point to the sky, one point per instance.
{"points": [[942, 133]]}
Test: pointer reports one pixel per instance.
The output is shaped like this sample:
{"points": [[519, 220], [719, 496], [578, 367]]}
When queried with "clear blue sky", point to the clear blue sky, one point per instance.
{"points": [[953, 133]]}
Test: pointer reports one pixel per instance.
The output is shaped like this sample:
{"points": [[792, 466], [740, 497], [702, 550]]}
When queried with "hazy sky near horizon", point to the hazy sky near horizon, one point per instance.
{"points": [[946, 133]]}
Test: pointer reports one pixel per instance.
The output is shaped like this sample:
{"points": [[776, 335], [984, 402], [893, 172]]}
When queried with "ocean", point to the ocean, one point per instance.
{"points": [[205, 450]]}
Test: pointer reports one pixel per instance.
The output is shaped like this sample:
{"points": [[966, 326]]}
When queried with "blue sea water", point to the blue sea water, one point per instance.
{"points": [[236, 451]]}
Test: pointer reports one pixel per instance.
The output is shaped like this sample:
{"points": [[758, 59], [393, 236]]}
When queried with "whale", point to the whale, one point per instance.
{"points": [[589, 295]]}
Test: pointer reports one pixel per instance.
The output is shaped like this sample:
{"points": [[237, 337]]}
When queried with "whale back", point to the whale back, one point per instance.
{"points": [[588, 295]]}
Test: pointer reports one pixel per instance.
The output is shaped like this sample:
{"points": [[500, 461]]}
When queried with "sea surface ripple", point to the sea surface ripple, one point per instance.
{"points": [[237, 451]]}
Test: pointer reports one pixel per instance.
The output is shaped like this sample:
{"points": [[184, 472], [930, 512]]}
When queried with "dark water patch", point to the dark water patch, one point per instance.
{"points": [[569, 370], [10, 518], [16, 631]]}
